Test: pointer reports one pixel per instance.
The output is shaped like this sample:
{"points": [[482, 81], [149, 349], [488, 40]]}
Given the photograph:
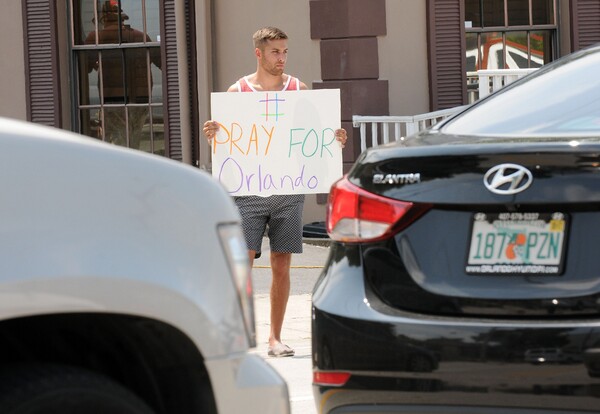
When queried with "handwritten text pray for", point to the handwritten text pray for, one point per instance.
{"points": [[276, 145]]}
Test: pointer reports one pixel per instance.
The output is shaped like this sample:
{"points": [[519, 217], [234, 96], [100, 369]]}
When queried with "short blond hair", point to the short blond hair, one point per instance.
{"points": [[262, 36]]}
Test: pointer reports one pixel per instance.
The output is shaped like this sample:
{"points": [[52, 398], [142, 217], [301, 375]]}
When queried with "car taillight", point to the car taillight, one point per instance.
{"points": [[330, 378], [355, 215]]}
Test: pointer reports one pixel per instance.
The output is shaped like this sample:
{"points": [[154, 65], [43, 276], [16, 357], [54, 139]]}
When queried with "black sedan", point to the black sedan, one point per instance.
{"points": [[464, 273]]}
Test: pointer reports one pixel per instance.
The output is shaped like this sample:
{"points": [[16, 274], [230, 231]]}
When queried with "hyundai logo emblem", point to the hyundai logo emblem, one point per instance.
{"points": [[506, 179]]}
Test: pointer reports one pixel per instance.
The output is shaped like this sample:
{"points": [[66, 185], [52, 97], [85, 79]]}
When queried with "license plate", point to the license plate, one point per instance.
{"points": [[517, 243]]}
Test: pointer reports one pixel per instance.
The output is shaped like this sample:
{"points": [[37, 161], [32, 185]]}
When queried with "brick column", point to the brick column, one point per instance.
{"points": [[348, 30]]}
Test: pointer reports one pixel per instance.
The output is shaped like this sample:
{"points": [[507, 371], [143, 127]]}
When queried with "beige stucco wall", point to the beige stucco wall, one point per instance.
{"points": [[402, 63], [12, 66], [403, 57]]}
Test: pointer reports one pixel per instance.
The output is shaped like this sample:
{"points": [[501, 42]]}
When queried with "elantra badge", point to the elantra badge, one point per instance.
{"points": [[506, 179], [412, 178]]}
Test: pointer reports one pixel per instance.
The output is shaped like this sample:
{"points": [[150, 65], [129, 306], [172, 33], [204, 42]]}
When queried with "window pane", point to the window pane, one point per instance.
{"points": [[109, 15], [114, 126], [90, 123], [153, 140], [143, 15], [492, 51], [112, 76], [473, 13], [543, 11], [472, 52], [157, 96], [132, 14], [134, 33], [517, 55], [153, 20], [518, 12], [493, 13], [84, 30], [88, 77], [138, 118], [472, 66], [541, 48], [137, 81]]}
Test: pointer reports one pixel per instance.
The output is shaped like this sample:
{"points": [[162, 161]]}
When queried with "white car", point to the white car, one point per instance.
{"points": [[124, 284]]}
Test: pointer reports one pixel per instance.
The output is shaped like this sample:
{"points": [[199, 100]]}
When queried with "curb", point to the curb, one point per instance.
{"points": [[317, 241]]}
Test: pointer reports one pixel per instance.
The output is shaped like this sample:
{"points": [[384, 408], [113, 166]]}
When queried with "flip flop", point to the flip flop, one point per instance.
{"points": [[280, 350]]}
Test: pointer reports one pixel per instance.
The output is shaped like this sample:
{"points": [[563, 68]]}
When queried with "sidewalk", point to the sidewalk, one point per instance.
{"points": [[296, 370]]}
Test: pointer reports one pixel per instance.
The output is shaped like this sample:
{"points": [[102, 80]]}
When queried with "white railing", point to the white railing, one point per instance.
{"points": [[395, 128], [490, 80]]}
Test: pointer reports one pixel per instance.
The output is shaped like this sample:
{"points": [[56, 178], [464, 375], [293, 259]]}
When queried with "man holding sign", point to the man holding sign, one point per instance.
{"points": [[282, 212]]}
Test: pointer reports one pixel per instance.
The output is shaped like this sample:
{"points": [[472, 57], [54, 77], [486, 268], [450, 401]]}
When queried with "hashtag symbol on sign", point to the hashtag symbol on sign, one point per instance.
{"points": [[274, 102]]}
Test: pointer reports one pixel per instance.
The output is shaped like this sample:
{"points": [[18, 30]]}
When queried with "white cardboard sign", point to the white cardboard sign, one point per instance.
{"points": [[277, 142]]}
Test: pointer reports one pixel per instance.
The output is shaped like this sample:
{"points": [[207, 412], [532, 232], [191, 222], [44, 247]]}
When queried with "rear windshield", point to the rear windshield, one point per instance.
{"points": [[561, 101]]}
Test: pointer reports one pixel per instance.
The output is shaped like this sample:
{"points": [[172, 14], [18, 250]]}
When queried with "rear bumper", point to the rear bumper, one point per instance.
{"points": [[412, 363], [431, 409]]}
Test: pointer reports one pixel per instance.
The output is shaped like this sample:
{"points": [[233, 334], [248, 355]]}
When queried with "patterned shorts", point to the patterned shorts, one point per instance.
{"points": [[281, 213]]}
